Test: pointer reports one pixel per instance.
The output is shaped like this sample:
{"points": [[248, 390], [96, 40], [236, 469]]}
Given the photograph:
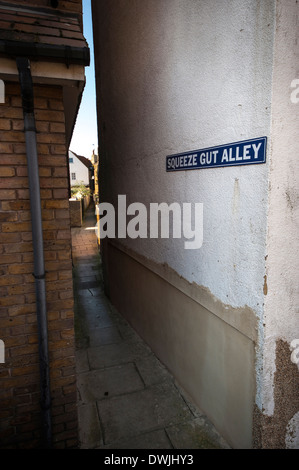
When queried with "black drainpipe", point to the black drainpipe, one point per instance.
{"points": [[26, 83]]}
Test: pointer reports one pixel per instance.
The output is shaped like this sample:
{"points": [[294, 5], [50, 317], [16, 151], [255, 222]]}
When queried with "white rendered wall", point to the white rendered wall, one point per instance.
{"points": [[82, 173], [184, 75], [181, 76], [282, 300]]}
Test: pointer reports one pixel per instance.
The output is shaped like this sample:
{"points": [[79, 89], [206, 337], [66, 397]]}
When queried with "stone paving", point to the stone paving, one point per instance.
{"points": [[126, 398]]}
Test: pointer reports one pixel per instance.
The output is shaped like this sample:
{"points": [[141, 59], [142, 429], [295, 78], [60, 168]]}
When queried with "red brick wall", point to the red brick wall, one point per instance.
{"points": [[19, 376]]}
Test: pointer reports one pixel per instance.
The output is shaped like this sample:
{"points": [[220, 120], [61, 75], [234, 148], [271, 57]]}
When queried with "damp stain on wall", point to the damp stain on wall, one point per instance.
{"points": [[270, 431], [265, 288]]}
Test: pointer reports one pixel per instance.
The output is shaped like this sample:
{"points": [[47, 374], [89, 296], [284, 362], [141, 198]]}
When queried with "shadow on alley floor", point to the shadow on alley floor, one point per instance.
{"points": [[126, 398]]}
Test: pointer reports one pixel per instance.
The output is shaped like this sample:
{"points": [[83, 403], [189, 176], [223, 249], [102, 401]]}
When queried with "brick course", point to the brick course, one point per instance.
{"points": [[19, 376], [66, 5]]}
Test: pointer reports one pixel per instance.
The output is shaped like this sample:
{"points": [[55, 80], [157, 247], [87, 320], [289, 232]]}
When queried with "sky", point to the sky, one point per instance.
{"points": [[85, 138]]}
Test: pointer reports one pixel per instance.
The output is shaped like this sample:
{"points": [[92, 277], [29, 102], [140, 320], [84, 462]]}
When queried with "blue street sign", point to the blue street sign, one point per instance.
{"points": [[248, 152]]}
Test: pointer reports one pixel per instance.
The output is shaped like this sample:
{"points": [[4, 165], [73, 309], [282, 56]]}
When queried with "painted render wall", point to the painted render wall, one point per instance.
{"points": [[182, 76], [81, 171], [174, 76], [279, 394]]}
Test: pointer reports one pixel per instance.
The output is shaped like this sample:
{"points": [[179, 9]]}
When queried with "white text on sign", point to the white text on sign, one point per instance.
{"points": [[239, 153]]}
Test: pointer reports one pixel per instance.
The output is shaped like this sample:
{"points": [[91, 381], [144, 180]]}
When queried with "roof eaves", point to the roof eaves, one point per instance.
{"points": [[48, 52]]}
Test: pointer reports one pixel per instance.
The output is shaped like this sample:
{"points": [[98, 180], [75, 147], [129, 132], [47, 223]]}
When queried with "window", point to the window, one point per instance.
{"points": [[71, 160], [73, 176]]}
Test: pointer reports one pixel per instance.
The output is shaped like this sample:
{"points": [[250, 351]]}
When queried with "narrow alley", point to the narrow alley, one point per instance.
{"points": [[181, 331], [126, 398]]}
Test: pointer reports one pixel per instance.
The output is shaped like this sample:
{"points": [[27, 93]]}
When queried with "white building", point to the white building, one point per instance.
{"points": [[79, 168], [177, 76]]}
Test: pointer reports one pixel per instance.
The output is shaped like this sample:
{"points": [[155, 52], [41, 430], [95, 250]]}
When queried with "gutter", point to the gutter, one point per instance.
{"points": [[47, 52], [26, 84]]}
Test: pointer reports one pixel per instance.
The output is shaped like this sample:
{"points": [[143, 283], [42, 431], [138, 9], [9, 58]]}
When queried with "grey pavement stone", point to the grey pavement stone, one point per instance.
{"points": [[147, 410], [86, 283], [96, 291], [96, 313], [111, 354], [84, 269], [82, 364], [150, 440], [196, 434], [85, 275], [125, 328], [83, 265], [107, 335], [98, 321], [90, 277], [96, 304], [151, 370], [102, 384], [84, 293], [127, 399], [89, 426]]}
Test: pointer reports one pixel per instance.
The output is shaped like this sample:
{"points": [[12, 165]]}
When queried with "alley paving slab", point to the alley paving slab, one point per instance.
{"points": [[127, 399]]}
